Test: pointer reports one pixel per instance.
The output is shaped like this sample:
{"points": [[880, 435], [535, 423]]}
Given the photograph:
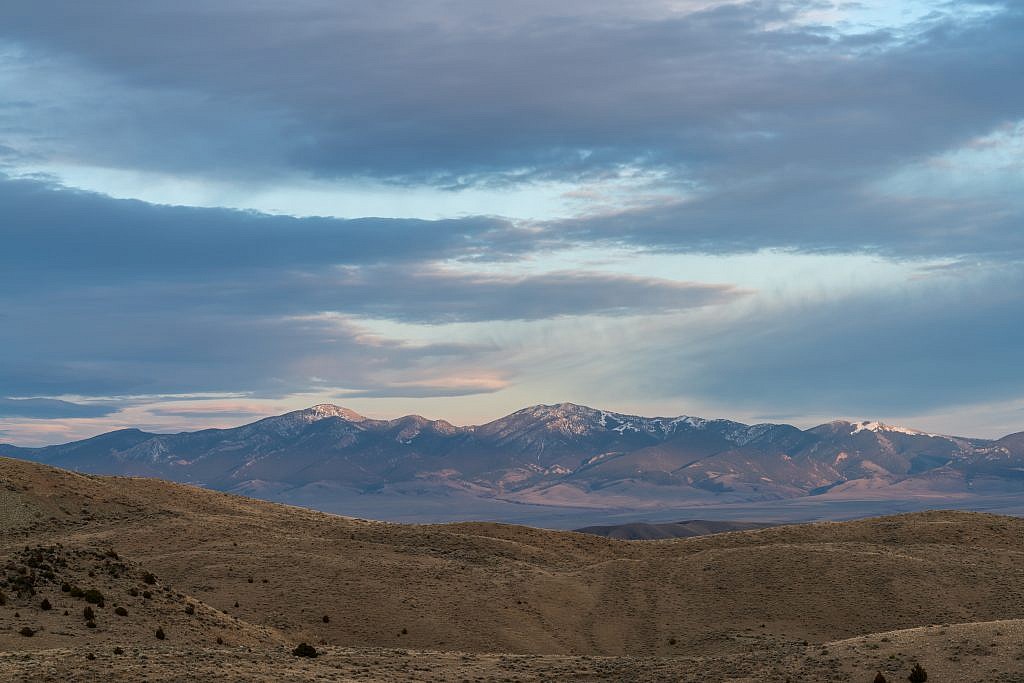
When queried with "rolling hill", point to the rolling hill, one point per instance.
{"points": [[234, 584]]}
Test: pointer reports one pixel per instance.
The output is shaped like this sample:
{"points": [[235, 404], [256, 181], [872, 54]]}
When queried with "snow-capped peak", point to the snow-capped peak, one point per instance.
{"points": [[325, 410], [872, 426]]}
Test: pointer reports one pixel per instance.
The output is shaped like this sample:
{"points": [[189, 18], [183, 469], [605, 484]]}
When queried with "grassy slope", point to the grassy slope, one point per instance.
{"points": [[745, 600]]}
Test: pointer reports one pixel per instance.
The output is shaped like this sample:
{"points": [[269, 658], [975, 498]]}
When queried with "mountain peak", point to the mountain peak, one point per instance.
{"points": [[324, 410], [875, 426], [561, 409]]}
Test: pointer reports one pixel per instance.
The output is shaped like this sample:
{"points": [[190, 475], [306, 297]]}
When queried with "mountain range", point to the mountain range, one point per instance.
{"points": [[562, 455]]}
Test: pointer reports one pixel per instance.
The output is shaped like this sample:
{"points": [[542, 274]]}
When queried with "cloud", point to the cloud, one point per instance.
{"points": [[87, 237], [201, 412], [771, 131], [739, 126], [51, 409], [116, 351], [114, 297], [934, 344], [453, 93], [433, 295], [801, 212], [437, 387]]}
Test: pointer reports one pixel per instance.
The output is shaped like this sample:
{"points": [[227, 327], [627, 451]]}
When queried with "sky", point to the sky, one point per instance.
{"points": [[217, 210]]}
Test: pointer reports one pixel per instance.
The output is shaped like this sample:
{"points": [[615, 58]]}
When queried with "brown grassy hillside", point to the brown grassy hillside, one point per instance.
{"points": [[760, 603]]}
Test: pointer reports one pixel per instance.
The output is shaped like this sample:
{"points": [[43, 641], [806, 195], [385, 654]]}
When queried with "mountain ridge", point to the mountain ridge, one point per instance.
{"points": [[561, 455]]}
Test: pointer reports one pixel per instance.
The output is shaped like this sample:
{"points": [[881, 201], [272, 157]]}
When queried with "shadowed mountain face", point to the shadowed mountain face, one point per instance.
{"points": [[558, 455]]}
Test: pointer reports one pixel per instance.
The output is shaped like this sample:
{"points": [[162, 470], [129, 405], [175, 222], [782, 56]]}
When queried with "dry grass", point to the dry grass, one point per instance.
{"points": [[787, 602]]}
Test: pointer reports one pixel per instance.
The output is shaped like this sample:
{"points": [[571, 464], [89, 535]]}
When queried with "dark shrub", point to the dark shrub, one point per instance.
{"points": [[93, 597], [879, 678], [76, 592], [160, 635], [220, 641], [88, 613], [120, 611], [90, 624], [149, 578], [249, 579], [146, 595], [90, 656], [327, 619], [27, 632], [305, 650], [45, 605], [65, 587], [917, 674], [3, 598], [118, 650], [190, 609], [134, 592]]}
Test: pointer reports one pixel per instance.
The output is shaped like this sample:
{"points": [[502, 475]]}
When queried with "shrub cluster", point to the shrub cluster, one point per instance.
{"points": [[93, 597], [917, 674], [305, 650]]}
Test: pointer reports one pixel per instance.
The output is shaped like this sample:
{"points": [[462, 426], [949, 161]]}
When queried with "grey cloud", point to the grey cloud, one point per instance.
{"points": [[91, 254], [452, 92], [781, 138], [433, 295], [90, 237], [112, 297], [123, 351], [199, 414], [936, 343], [49, 408], [780, 133], [806, 213], [423, 391]]}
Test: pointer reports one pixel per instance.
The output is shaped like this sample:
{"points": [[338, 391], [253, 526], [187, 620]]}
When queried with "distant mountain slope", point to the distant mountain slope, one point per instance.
{"points": [[645, 531], [562, 455]]}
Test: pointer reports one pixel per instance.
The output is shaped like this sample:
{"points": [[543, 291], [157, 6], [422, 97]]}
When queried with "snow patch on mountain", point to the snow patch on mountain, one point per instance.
{"points": [[869, 426], [325, 410]]}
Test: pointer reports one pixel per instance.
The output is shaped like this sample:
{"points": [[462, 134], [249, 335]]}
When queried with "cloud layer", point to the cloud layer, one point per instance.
{"points": [[676, 127], [45, 408], [113, 297]]}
